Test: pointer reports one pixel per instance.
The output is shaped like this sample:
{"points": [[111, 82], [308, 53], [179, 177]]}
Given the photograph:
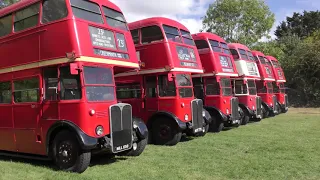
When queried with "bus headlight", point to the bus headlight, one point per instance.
{"points": [[203, 113], [227, 111], [99, 130], [253, 107], [186, 117]]}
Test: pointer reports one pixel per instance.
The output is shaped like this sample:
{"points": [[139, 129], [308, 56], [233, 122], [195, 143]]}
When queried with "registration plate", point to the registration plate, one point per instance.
{"points": [[123, 147]]}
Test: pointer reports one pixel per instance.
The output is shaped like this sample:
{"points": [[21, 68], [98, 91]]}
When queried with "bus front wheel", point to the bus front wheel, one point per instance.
{"points": [[67, 153], [165, 132]]}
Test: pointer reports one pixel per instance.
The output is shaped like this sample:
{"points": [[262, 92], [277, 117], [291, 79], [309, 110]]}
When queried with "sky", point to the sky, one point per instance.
{"points": [[190, 12]]}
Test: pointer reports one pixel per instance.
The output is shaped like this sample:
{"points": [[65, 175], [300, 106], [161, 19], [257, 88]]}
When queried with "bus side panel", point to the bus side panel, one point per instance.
{"points": [[29, 40], [7, 142], [57, 48]]}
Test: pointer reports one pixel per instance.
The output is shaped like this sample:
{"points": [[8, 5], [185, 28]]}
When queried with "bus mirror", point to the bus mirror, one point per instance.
{"points": [[170, 77], [74, 68]]}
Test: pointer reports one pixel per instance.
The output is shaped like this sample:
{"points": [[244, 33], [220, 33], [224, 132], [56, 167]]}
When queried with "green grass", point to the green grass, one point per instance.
{"points": [[283, 147]]}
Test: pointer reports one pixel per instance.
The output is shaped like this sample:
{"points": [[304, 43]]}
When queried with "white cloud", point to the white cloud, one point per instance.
{"points": [[188, 12]]}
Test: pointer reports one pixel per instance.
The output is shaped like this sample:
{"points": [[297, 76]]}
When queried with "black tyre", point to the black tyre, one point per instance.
{"points": [[244, 115], [278, 109], [206, 130], [165, 132], [217, 125], [137, 148], [284, 110], [67, 153], [265, 112]]}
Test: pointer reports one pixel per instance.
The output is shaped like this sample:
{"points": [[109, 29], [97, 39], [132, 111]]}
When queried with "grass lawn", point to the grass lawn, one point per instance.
{"points": [[283, 147]]}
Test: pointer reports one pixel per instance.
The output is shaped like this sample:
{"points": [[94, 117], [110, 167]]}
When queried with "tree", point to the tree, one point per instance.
{"points": [[244, 21], [270, 48], [302, 25], [5, 3]]}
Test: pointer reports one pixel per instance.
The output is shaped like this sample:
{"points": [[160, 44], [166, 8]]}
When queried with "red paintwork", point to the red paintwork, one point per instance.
{"points": [[213, 68], [266, 76], [22, 123], [280, 79], [161, 54], [248, 100], [144, 107], [159, 58], [277, 71]]}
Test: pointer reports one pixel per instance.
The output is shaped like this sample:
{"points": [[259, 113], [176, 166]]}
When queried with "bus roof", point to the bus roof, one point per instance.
{"points": [[238, 46], [156, 20], [258, 53], [271, 58], [24, 3], [211, 36]]}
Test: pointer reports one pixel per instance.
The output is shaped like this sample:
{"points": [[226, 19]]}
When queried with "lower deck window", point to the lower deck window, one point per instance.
{"points": [[128, 91], [26, 90], [5, 92]]}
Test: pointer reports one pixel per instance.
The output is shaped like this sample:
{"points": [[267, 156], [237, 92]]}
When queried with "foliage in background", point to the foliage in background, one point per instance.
{"points": [[4, 3], [301, 25], [243, 21]]}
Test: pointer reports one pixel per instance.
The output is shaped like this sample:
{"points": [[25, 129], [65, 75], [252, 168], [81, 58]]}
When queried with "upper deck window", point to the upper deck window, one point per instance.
{"points": [[215, 46], [5, 25], [268, 62], [234, 53], [201, 44], [53, 10], [151, 34], [86, 10], [187, 38], [275, 64], [172, 33], [225, 47], [26, 18], [262, 59], [135, 36], [243, 54], [115, 18], [250, 55]]}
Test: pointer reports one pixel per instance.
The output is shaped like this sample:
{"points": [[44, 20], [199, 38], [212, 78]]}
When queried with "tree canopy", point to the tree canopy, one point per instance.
{"points": [[243, 21], [4, 3], [301, 25]]}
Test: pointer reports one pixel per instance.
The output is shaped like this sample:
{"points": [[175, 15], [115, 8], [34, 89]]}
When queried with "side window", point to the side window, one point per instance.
{"points": [[5, 92], [86, 10], [260, 87], [151, 34], [50, 84], [212, 87], [128, 91], [26, 90], [5, 25], [135, 36], [151, 86], [240, 88], [166, 88], [26, 18], [70, 86], [201, 44], [53, 10]]}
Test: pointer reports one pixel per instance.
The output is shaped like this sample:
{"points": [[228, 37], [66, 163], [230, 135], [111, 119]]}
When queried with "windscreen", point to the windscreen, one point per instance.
{"points": [[99, 84], [184, 85], [225, 84], [252, 87]]}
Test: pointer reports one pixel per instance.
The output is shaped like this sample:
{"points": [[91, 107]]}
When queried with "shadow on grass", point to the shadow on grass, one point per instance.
{"points": [[96, 160]]}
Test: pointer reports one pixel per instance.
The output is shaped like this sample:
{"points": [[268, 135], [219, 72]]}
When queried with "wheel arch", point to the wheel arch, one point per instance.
{"points": [[86, 142], [180, 124]]}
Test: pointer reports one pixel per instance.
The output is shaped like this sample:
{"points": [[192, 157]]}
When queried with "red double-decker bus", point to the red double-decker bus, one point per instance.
{"points": [[265, 85], [57, 90], [244, 86], [278, 85], [161, 93], [214, 85]]}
